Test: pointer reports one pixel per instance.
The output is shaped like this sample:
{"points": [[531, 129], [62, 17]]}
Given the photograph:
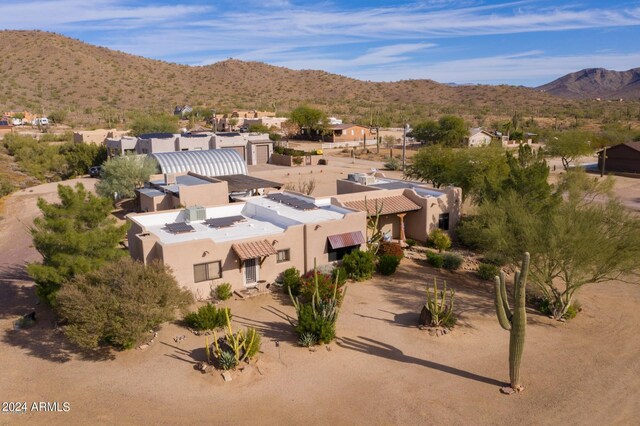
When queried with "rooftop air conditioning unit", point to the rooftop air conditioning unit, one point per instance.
{"points": [[195, 213], [366, 180]]}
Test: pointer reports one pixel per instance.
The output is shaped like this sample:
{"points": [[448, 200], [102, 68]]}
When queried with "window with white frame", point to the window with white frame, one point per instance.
{"points": [[283, 255]]}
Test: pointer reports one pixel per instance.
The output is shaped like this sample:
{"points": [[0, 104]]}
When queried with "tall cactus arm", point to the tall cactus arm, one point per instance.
{"points": [[500, 300], [505, 298]]}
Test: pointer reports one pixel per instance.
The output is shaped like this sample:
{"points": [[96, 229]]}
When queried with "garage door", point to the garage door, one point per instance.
{"points": [[239, 150], [262, 154]]}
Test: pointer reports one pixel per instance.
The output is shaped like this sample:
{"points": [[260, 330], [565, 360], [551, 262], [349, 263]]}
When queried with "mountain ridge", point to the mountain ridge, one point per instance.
{"points": [[596, 83]]}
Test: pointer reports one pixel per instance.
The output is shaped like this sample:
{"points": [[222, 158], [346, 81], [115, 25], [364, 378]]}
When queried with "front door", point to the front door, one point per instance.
{"points": [[250, 271]]}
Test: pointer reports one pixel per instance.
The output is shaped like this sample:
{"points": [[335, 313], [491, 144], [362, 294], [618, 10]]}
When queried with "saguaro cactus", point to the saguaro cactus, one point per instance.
{"points": [[515, 322]]}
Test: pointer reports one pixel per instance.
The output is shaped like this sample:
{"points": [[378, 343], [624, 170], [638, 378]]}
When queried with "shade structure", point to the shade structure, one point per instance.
{"points": [[348, 239], [386, 205], [253, 249], [210, 162]]}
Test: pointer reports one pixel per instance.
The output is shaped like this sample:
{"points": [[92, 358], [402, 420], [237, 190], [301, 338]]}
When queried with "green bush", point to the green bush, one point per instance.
{"points": [[291, 280], [208, 317], [440, 240], [435, 259], [452, 261], [411, 243], [359, 265], [392, 163], [252, 350], [391, 249], [573, 310], [6, 187], [387, 264], [488, 271], [341, 274], [223, 291], [323, 329], [326, 286]]}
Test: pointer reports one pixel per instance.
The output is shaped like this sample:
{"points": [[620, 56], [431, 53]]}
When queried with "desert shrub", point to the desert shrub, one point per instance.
{"points": [[435, 259], [359, 265], [307, 340], [253, 338], [387, 264], [119, 303], [223, 291], [339, 274], [488, 271], [208, 317], [392, 163], [322, 328], [451, 261], [326, 286], [297, 160], [291, 280], [439, 239], [411, 243], [573, 310], [391, 249], [6, 187]]}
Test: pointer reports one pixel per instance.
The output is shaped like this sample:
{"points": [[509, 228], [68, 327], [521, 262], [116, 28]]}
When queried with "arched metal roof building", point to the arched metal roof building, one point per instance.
{"points": [[211, 162]]}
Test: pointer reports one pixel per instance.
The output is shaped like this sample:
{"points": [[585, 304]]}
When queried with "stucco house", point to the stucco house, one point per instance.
{"points": [[348, 133], [246, 243], [479, 137], [407, 209]]}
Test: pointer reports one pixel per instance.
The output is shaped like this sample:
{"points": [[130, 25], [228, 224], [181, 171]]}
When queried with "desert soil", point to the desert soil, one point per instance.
{"points": [[381, 370]]}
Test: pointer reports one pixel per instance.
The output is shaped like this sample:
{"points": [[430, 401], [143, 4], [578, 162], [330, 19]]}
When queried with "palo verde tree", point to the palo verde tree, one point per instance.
{"points": [[121, 176], [570, 146], [153, 123], [580, 235], [449, 130], [74, 236], [309, 119]]}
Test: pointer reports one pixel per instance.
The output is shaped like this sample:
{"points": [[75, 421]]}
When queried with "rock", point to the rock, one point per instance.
{"points": [[143, 347], [227, 376]]}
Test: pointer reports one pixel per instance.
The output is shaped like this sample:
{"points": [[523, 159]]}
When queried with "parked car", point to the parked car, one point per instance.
{"points": [[95, 171], [17, 121]]}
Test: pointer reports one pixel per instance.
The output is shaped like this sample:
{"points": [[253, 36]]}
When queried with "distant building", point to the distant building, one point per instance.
{"points": [[479, 137], [254, 148], [348, 133], [622, 158], [334, 121]]}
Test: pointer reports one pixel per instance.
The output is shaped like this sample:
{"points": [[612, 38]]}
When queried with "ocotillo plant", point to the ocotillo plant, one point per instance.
{"points": [[515, 322]]}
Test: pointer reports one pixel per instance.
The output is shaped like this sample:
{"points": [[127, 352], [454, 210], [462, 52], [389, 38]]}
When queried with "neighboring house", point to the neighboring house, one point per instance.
{"points": [[268, 122], [254, 148], [246, 243], [5, 127], [347, 133], [334, 121], [479, 137], [98, 136], [407, 209], [622, 158], [172, 191]]}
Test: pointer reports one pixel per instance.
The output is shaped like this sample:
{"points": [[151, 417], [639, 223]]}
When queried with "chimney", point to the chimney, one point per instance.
{"points": [[169, 179]]}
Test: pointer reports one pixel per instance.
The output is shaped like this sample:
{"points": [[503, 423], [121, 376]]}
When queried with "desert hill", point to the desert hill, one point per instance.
{"points": [[43, 72], [596, 83]]}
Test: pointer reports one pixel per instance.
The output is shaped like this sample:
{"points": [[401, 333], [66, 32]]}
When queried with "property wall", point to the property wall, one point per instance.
{"points": [[355, 133]]}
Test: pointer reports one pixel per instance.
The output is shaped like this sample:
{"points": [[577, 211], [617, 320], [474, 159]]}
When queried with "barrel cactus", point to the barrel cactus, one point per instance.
{"points": [[514, 321]]}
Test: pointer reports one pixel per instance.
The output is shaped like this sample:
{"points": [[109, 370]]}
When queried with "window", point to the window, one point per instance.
{"points": [[338, 254], [207, 271], [443, 221], [283, 256]]}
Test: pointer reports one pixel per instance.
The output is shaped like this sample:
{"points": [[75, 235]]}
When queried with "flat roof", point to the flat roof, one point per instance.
{"points": [[262, 217], [385, 183], [239, 183]]}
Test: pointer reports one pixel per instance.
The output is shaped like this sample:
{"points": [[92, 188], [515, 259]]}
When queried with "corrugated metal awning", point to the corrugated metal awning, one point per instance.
{"points": [[348, 239], [386, 205], [253, 249]]}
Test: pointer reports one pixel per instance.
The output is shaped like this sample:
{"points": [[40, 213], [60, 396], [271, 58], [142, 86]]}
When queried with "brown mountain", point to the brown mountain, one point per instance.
{"points": [[596, 83], [44, 72]]}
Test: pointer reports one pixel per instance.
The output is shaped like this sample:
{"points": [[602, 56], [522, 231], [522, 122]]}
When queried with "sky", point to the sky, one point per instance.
{"points": [[528, 42]]}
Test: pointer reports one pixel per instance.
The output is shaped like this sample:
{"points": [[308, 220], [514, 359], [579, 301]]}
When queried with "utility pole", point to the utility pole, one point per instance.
{"points": [[404, 146]]}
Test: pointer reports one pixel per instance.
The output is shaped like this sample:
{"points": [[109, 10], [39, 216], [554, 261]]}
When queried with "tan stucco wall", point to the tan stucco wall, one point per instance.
{"points": [[213, 194]]}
